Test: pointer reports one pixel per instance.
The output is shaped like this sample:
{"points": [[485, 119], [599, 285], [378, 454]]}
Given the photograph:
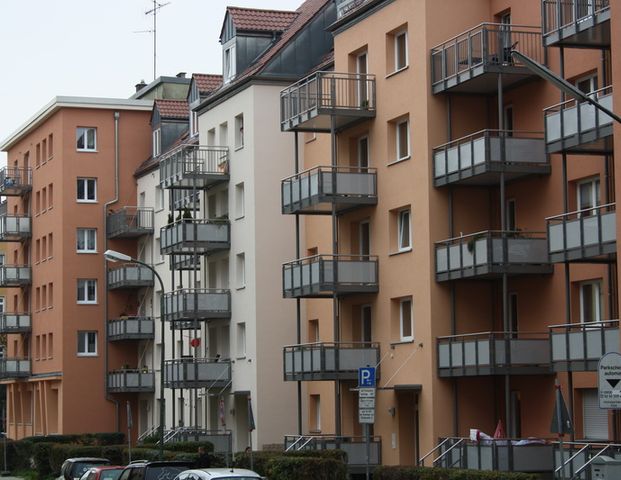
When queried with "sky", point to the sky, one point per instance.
{"points": [[91, 48]]}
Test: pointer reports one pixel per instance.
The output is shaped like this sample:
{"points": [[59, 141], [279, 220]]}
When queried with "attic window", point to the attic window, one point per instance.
{"points": [[228, 67]]}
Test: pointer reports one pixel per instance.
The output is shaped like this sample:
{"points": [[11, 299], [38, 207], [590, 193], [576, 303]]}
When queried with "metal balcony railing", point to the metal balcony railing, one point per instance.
{"points": [[196, 304], [14, 228], [129, 276], [462, 62], [15, 322], [579, 127], [15, 275], [222, 441], [15, 181], [131, 328], [583, 235], [14, 368], [478, 159], [578, 347], [491, 253], [324, 275], [577, 23], [493, 353], [328, 361], [354, 447], [344, 7], [194, 166], [197, 373], [130, 222], [184, 262], [310, 103], [187, 236], [131, 381], [315, 190], [578, 460]]}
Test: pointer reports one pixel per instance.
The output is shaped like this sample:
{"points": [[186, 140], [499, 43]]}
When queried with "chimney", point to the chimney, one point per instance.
{"points": [[181, 75], [140, 86]]}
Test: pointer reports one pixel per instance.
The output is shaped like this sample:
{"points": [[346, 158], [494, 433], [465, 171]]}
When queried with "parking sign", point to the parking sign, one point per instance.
{"points": [[366, 377]]}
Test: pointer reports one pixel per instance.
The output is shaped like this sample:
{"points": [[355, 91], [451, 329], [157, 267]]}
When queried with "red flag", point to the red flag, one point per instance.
{"points": [[500, 430]]}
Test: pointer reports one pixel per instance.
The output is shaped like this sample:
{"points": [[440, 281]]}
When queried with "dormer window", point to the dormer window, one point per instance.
{"points": [[157, 142], [228, 68]]}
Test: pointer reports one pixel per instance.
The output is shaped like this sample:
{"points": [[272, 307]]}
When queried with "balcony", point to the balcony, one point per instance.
{"points": [[222, 441], [15, 276], [15, 181], [315, 102], [184, 262], [131, 381], [195, 304], [315, 191], [188, 236], [489, 254], [197, 373], [588, 235], [14, 368], [577, 347], [505, 455], [493, 353], [129, 276], [131, 328], [480, 158], [471, 61], [354, 447], [326, 275], [130, 222], [328, 361], [345, 7], [194, 166], [14, 228], [578, 127], [576, 23], [15, 323]]}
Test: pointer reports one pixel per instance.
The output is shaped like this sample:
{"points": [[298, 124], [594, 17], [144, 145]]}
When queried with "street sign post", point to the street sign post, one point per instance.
{"points": [[609, 381], [366, 408]]}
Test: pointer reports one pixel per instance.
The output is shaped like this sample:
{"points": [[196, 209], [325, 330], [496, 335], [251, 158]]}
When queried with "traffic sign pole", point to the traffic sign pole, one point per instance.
{"points": [[366, 409]]}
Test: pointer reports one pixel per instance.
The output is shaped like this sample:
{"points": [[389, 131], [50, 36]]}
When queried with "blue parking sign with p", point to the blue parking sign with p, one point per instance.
{"points": [[366, 377]]}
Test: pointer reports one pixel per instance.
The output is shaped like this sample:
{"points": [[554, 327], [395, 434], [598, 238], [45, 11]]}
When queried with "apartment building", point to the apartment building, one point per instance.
{"points": [[459, 230], [67, 166]]}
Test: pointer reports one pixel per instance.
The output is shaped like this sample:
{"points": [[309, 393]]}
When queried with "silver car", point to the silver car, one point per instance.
{"points": [[218, 474]]}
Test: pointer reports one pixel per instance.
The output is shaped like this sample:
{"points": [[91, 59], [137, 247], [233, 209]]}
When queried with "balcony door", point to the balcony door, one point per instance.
{"points": [[588, 196], [363, 152], [364, 238], [362, 70], [365, 324], [504, 40], [591, 301]]}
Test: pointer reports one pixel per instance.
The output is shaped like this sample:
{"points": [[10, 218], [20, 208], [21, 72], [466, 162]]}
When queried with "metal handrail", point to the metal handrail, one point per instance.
{"points": [[579, 471], [346, 169], [553, 20], [557, 107], [421, 461], [562, 216], [334, 344], [582, 325], [588, 445], [344, 256], [491, 233], [459, 442], [489, 334], [484, 25]]}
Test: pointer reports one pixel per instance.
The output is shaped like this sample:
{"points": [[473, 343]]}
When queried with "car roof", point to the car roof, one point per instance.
{"points": [[162, 463], [87, 459], [223, 472], [107, 467]]}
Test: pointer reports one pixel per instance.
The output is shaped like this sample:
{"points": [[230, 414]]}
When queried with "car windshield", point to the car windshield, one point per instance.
{"points": [[80, 467], [168, 472], [111, 474]]}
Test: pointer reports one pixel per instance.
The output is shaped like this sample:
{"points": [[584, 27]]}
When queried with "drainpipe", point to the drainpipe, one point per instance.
{"points": [[105, 228]]}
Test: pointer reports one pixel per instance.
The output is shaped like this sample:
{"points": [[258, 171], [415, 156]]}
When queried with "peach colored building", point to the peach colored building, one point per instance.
{"points": [[468, 232], [67, 167]]}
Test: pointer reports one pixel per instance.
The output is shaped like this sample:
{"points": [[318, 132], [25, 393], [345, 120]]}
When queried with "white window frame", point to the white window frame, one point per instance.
{"points": [[157, 142], [83, 286], [2, 303], [398, 140], [193, 123], [84, 341], [598, 299], [400, 216], [402, 337], [84, 131], [396, 36], [229, 62], [595, 191], [86, 232], [86, 180]]}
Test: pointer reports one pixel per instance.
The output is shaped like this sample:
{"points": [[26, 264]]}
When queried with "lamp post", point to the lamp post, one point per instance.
{"points": [[114, 256]]}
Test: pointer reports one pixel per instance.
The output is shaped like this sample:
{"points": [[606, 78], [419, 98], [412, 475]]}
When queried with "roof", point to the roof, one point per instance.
{"points": [[152, 163], [259, 20], [178, 109], [207, 83]]}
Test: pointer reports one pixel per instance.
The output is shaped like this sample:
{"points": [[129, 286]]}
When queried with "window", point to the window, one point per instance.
{"points": [[315, 411], [365, 323], [87, 190], [87, 344], [363, 88], [50, 245], [50, 146], [241, 270], [50, 295], [211, 137], [50, 344], [87, 291], [594, 419], [401, 50], [403, 139], [38, 155], [44, 150], [50, 195], [404, 230], [405, 320], [38, 250], [229, 69], [313, 331], [86, 241], [588, 195], [591, 301], [157, 142], [223, 134], [239, 200], [37, 203], [193, 123], [241, 339], [159, 198], [363, 152], [364, 232], [239, 131], [86, 139], [510, 215], [43, 297], [587, 84]]}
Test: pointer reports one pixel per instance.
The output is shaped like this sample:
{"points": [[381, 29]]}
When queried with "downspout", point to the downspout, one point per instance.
{"points": [[105, 228]]}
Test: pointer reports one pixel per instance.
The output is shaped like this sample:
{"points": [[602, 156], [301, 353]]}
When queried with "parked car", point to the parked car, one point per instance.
{"points": [[142, 470], [74, 468], [109, 472], [218, 474]]}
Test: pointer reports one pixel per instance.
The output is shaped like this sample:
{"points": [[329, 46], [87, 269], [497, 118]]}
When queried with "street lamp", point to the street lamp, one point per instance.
{"points": [[114, 256]]}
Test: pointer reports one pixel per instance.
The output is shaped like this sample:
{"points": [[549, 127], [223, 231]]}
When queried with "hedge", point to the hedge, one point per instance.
{"points": [[111, 438], [18, 455], [188, 447], [261, 460], [422, 473], [41, 455], [306, 468]]}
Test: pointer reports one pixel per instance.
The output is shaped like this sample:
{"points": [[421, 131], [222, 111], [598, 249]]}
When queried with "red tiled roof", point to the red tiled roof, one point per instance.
{"points": [[173, 108], [255, 20], [207, 83], [152, 163]]}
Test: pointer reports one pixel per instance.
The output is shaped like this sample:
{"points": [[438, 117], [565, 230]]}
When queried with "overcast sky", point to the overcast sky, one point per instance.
{"points": [[90, 48]]}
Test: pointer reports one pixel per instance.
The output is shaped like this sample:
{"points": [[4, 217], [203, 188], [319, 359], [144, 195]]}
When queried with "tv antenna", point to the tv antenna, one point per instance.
{"points": [[156, 7]]}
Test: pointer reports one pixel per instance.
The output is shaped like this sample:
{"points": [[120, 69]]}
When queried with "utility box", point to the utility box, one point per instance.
{"points": [[606, 468]]}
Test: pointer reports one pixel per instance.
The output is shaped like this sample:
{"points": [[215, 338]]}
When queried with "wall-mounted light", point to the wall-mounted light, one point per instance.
{"points": [[392, 411]]}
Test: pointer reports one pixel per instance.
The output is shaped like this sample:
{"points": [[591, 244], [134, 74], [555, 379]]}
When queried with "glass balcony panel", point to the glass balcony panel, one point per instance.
{"points": [[220, 439], [131, 381], [130, 276], [15, 181], [14, 368], [14, 276], [194, 166], [131, 328], [15, 323], [195, 236], [576, 23], [197, 373], [579, 346], [197, 305], [355, 447], [14, 228], [129, 222]]}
